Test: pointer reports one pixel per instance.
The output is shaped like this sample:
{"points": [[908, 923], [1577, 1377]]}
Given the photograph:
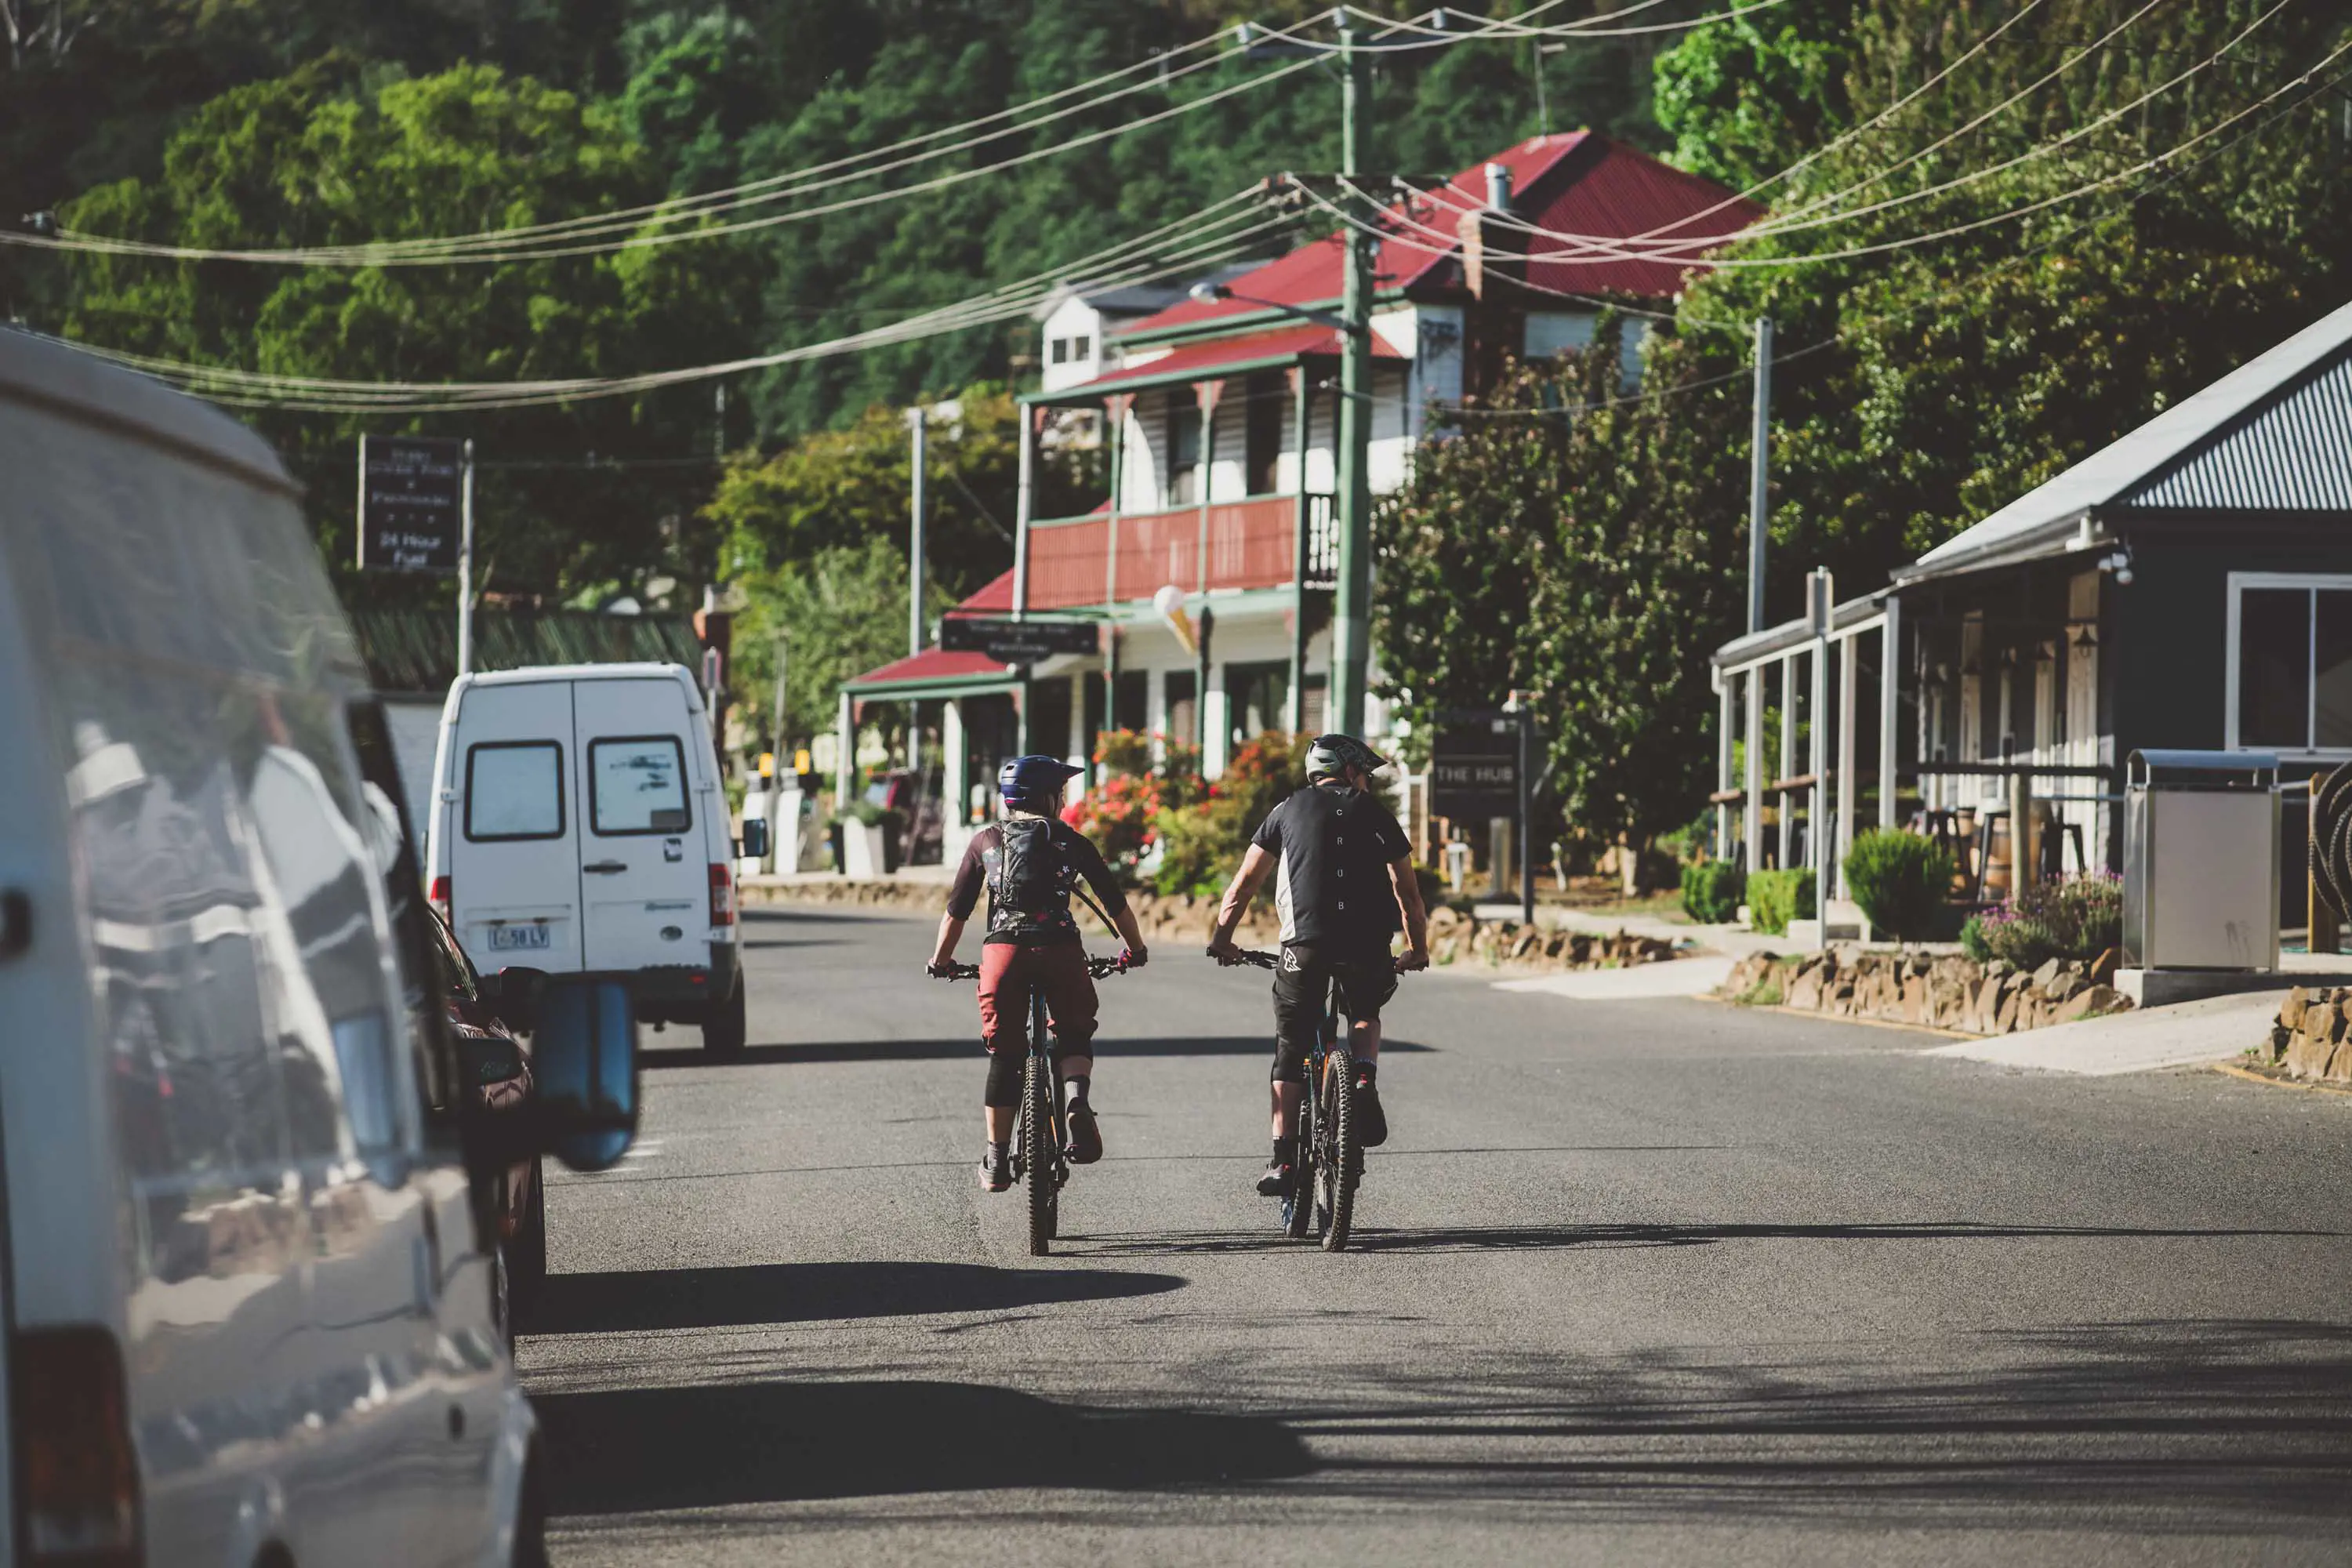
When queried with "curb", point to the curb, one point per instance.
{"points": [[2234, 1070]]}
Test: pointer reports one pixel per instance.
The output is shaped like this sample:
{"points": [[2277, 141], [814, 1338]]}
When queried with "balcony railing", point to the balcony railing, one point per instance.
{"points": [[1248, 544]]}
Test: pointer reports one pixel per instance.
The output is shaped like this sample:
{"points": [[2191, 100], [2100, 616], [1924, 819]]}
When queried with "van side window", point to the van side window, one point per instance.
{"points": [[636, 784], [514, 789]]}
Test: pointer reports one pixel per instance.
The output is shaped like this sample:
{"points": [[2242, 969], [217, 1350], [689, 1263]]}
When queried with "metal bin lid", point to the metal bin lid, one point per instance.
{"points": [[2203, 770]]}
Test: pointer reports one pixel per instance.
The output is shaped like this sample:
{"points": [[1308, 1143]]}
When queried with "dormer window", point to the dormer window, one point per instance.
{"points": [[1082, 348], [1059, 350]]}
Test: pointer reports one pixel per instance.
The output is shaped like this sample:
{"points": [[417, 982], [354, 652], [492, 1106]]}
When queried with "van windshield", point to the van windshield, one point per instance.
{"points": [[636, 784]]}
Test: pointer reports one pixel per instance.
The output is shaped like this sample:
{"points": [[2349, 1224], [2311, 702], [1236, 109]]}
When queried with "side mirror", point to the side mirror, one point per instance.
{"points": [[755, 842], [513, 994], [584, 1062]]}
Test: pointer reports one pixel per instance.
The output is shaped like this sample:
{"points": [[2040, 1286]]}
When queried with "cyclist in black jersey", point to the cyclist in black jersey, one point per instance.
{"points": [[1344, 875]]}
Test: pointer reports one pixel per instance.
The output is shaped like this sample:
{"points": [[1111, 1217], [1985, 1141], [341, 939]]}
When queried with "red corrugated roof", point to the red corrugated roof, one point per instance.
{"points": [[1580, 183], [1201, 359], [938, 664]]}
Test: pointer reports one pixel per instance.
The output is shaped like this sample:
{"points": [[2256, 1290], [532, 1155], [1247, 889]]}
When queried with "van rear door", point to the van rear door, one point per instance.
{"points": [[645, 880], [514, 860]]}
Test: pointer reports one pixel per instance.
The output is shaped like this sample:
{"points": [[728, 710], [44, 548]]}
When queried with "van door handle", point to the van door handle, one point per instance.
{"points": [[604, 867], [15, 924]]}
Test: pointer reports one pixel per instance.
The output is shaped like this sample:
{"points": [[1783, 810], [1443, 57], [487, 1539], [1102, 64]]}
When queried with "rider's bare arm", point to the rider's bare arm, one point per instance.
{"points": [[1245, 887], [1416, 916], [951, 933]]}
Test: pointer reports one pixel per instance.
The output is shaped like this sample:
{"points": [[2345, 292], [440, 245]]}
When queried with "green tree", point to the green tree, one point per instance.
{"points": [[324, 156]]}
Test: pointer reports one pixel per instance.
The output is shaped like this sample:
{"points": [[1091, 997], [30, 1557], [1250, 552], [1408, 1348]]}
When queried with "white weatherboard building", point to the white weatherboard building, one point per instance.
{"points": [[1222, 416]]}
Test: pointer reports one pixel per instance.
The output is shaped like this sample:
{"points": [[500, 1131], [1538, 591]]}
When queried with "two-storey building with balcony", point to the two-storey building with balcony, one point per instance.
{"points": [[1209, 565]]}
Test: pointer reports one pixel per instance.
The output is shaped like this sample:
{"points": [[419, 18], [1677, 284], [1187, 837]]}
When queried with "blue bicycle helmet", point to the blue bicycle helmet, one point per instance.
{"points": [[1035, 782]]}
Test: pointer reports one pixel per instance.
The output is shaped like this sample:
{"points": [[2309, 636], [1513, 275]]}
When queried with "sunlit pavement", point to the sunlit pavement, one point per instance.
{"points": [[1638, 1281]]}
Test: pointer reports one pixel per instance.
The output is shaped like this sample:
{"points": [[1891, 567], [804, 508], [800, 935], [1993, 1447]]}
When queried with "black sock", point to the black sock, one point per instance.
{"points": [[1078, 1087], [1002, 1151], [1283, 1150], [1367, 1071]]}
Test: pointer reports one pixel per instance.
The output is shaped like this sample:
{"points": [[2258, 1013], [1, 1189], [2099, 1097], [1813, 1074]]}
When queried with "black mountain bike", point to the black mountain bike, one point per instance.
{"points": [[1040, 1140], [1330, 1161]]}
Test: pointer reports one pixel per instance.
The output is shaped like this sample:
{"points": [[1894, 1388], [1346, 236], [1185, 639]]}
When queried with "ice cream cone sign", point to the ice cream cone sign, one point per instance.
{"points": [[1170, 603]]}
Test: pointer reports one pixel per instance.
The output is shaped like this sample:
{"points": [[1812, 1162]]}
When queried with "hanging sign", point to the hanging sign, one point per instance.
{"points": [[1018, 642], [411, 502]]}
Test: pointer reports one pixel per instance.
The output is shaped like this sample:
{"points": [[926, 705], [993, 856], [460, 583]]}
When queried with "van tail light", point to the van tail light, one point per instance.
{"points": [[440, 898], [723, 893], [77, 1500]]}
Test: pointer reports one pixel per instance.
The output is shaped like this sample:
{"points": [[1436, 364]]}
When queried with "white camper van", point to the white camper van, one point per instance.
{"points": [[248, 1287], [578, 824]]}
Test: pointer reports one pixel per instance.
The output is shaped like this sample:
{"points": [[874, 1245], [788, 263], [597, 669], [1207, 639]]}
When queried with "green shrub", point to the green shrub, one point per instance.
{"points": [[1973, 939], [1900, 880], [2078, 919], [1776, 898], [1711, 891]]}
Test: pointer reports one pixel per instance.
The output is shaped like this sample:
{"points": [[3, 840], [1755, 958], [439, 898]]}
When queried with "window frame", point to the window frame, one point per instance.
{"points": [[2311, 583], [685, 785], [562, 806]]}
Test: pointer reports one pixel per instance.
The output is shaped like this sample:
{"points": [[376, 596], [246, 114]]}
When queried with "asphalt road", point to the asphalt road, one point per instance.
{"points": [[1660, 1281]]}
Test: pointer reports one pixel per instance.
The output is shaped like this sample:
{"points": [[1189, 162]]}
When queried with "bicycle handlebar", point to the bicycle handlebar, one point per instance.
{"points": [[1100, 968]]}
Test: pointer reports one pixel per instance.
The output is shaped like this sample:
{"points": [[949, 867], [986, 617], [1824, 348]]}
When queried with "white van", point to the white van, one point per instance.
{"points": [[578, 824], [246, 1284]]}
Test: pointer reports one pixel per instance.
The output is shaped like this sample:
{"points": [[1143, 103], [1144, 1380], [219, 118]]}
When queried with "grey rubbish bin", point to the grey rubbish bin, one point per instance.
{"points": [[2200, 861]]}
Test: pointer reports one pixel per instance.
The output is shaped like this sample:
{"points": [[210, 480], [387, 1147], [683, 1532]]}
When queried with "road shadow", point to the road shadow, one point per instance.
{"points": [[967, 1048], [631, 1301], [643, 1449], [1604, 1238], [762, 942]]}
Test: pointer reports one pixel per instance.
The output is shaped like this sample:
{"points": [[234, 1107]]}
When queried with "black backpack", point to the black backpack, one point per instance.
{"points": [[1029, 870]]}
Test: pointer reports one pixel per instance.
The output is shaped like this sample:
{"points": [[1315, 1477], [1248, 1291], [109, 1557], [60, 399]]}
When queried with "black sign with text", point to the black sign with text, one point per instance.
{"points": [[1018, 642], [1474, 768], [411, 502]]}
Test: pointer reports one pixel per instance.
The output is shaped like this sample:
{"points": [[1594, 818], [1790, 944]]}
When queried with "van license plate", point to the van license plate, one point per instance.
{"points": [[509, 939]]}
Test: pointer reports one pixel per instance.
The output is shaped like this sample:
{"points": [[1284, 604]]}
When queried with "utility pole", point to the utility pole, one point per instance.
{"points": [[1352, 617], [465, 565], [919, 420], [1759, 473]]}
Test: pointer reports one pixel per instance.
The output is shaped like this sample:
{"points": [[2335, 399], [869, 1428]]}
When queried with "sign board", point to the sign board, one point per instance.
{"points": [[1474, 768], [411, 502], [1018, 642]]}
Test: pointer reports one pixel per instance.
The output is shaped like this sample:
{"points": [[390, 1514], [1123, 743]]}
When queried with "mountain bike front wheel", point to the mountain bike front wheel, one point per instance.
{"points": [[1343, 1161], [1298, 1209], [1037, 1152]]}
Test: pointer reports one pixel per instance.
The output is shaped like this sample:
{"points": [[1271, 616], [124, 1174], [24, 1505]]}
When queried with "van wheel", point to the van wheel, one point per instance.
{"points": [[723, 1027]]}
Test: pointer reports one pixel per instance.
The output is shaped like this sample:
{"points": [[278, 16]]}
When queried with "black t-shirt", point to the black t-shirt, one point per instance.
{"points": [[1334, 847], [1076, 857]]}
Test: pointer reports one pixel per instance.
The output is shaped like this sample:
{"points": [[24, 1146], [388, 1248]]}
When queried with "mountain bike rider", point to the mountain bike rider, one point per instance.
{"points": [[1345, 875], [1031, 862]]}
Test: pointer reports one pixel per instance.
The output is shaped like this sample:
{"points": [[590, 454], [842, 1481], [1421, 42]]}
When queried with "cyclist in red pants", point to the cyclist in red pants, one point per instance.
{"points": [[1030, 862]]}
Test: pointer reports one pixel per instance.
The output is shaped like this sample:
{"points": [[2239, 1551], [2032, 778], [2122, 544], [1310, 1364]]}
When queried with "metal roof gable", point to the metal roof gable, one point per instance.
{"points": [[2275, 434]]}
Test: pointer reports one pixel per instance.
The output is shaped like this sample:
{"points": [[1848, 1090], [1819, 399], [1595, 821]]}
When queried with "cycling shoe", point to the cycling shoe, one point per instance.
{"points": [[996, 1168], [1274, 1183], [1085, 1138], [1371, 1121]]}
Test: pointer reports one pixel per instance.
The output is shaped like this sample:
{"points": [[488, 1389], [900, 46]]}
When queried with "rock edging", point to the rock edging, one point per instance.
{"points": [[2312, 1037], [1453, 937], [1941, 991]]}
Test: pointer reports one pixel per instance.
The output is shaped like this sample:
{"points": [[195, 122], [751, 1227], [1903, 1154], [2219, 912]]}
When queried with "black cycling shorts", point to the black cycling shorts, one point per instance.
{"points": [[1366, 977]]}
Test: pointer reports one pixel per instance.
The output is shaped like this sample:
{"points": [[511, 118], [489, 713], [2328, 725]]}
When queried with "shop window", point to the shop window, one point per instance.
{"points": [[1183, 449], [2289, 662], [1263, 397]]}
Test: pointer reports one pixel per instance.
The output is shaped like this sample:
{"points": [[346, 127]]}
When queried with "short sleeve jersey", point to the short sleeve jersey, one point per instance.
{"points": [[1077, 859], [1333, 846]]}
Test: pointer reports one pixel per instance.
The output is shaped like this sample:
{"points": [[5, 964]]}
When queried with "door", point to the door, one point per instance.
{"points": [[513, 828], [644, 879]]}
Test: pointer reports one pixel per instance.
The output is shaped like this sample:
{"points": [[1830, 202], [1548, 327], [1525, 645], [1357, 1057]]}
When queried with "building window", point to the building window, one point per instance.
{"points": [[1082, 348], [1183, 708], [2289, 662], [1261, 399], [1183, 449], [1257, 699], [1059, 350]]}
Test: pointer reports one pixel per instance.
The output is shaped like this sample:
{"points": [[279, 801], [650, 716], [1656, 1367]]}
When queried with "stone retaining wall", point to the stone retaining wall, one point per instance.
{"points": [[2313, 1036], [1942, 991], [1178, 918]]}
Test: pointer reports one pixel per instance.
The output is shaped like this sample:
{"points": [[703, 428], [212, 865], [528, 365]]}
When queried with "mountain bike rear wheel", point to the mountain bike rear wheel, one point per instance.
{"points": [[1037, 1152], [1298, 1208], [1344, 1161]]}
